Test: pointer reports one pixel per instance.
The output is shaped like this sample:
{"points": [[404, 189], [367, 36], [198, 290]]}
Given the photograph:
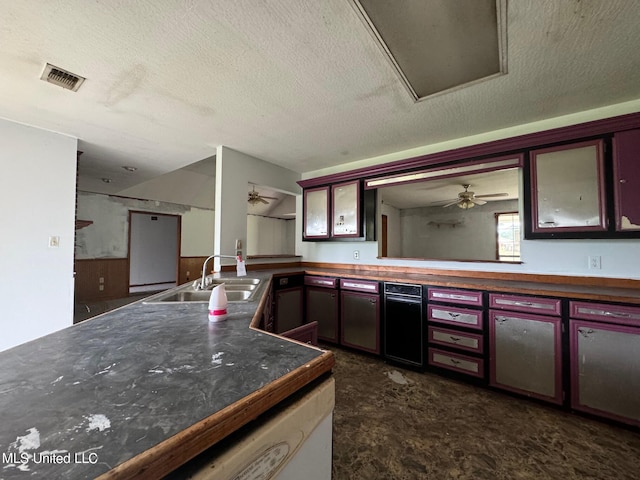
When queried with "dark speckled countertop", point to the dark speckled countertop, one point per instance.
{"points": [[130, 387]]}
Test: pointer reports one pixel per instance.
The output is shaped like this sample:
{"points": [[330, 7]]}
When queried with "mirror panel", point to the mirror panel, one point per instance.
{"points": [[567, 188], [316, 213], [346, 199]]}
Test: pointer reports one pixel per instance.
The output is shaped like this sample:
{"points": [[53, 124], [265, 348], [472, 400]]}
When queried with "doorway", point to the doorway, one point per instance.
{"points": [[154, 251]]}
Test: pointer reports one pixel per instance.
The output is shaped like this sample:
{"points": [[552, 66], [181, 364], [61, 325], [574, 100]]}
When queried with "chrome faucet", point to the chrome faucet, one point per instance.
{"points": [[203, 285]]}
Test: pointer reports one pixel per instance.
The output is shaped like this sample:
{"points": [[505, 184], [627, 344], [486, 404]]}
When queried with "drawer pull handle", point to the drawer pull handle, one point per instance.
{"points": [[617, 314], [585, 332], [454, 361], [455, 339], [453, 315], [501, 319], [524, 304]]}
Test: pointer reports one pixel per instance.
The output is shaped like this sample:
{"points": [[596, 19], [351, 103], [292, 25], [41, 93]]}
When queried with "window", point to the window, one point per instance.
{"points": [[508, 236]]}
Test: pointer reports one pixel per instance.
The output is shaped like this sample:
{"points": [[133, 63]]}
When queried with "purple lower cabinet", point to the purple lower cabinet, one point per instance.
{"points": [[605, 370], [526, 354], [360, 321], [307, 333]]}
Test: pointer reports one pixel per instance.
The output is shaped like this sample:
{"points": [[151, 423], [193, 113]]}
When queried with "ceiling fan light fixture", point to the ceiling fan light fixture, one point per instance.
{"points": [[466, 204]]}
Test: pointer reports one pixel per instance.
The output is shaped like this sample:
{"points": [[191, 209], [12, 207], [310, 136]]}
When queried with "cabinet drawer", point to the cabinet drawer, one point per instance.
{"points": [[605, 313], [455, 316], [540, 305], [462, 297], [456, 362], [359, 285], [320, 281], [452, 338]]}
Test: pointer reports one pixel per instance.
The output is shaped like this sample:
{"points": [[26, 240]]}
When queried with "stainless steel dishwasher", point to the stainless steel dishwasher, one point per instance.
{"points": [[404, 329]]}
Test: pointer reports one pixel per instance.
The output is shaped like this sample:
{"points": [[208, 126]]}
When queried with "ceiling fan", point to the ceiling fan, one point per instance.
{"points": [[468, 199], [255, 197]]}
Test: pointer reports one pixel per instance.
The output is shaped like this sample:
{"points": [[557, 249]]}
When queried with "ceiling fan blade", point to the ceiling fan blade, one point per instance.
{"points": [[478, 202], [270, 198], [262, 199], [442, 202], [492, 195], [454, 202]]}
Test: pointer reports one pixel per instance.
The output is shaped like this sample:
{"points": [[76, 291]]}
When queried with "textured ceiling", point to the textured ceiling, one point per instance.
{"points": [[299, 83]]}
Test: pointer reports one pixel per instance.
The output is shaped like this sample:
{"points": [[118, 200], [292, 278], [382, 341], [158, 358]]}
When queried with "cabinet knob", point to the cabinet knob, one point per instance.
{"points": [[622, 180]]}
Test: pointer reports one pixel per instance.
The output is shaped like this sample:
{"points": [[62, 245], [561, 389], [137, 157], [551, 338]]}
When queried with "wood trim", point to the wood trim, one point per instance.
{"points": [[189, 268], [505, 276], [114, 271], [503, 146], [182, 447]]}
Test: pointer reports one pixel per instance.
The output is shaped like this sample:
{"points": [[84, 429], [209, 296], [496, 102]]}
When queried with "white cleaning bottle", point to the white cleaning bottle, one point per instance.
{"points": [[218, 304]]}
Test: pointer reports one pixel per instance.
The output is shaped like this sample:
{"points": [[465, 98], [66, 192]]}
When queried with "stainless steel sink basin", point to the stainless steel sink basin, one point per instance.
{"points": [[235, 281], [237, 289]]}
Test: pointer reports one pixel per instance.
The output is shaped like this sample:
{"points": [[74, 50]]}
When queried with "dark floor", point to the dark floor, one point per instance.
{"points": [[397, 424]]}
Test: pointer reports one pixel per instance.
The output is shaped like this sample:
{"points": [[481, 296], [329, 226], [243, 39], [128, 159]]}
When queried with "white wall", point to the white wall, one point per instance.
{"points": [[620, 258], [37, 191], [269, 236], [234, 170], [452, 233], [108, 236]]}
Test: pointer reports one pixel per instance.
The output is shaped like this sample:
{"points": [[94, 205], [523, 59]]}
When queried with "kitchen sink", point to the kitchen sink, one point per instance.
{"points": [[237, 290]]}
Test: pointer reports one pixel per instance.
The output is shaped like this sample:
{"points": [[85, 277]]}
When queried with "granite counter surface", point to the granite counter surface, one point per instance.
{"points": [[131, 387]]}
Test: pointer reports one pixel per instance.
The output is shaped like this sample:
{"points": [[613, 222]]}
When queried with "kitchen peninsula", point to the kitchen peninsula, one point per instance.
{"points": [[136, 392]]}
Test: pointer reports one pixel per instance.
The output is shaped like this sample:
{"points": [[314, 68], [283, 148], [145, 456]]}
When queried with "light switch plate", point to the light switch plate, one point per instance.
{"points": [[54, 241]]}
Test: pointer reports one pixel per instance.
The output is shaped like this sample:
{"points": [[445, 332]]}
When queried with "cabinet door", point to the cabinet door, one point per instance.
{"points": [[361, 321], [626, 172], [346, 209], [526, 354], [605, 370], [315, 213], [567, 188], [307, 333], [288, 309], [322, 307]]}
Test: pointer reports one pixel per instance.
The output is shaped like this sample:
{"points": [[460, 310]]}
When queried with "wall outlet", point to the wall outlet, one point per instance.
{"points": [[101, 288], [595, 262], [356, 254]]}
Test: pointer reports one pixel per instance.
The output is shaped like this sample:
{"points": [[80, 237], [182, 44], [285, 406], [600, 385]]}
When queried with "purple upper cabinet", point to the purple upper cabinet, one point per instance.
{"points": [[315, 213], [346, 210], [567, 186], [626, 173]]}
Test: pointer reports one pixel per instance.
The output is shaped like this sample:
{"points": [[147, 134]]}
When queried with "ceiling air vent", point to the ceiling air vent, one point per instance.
{"points": [[61, 77]]}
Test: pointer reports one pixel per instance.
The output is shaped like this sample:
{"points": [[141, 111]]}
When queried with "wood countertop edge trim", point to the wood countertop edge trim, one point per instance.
{"points": [[182, 447], [455, 278]]}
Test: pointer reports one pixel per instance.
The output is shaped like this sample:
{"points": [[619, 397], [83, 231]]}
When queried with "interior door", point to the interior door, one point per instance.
{"points": [[154, 249]]}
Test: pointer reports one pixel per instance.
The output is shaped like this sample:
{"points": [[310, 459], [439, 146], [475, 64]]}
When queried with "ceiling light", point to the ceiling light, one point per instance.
{"points": [[106, 180], [466, 204], [130, 169]]}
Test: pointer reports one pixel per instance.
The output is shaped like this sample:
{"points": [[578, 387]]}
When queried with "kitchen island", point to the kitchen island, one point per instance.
{"points": [[139, 391]]}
